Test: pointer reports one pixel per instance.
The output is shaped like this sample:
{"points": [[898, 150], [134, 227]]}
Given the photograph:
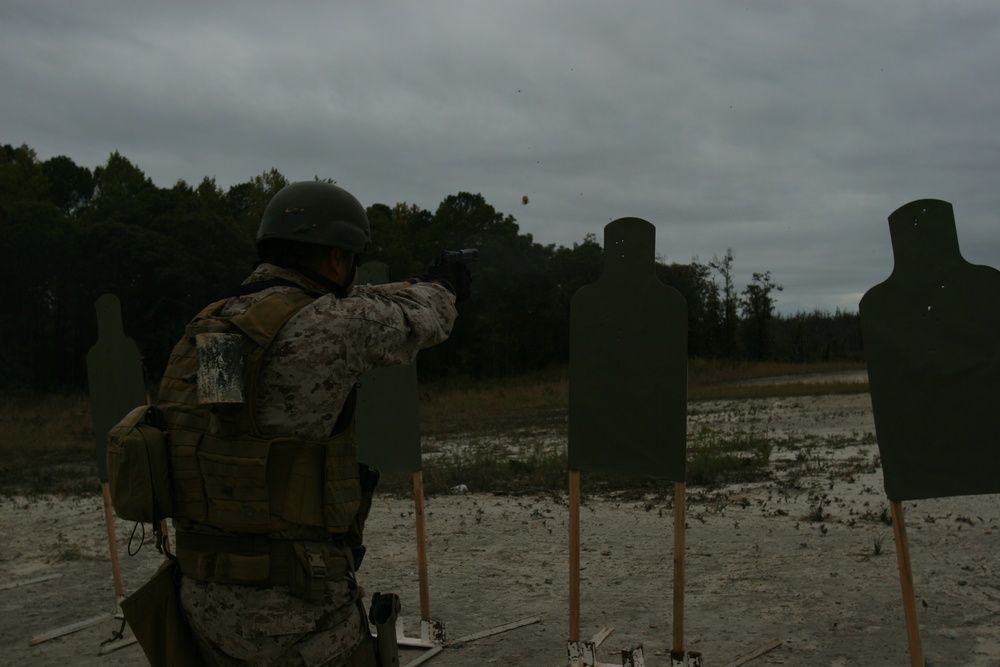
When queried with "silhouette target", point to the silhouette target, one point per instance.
{"points": [[932, 344], [388, 417], [114, 374], [628, 364]]}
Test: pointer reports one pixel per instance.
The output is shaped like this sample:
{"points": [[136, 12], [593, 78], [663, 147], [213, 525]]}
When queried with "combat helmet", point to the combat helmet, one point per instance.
{"points": [[317, 213]]}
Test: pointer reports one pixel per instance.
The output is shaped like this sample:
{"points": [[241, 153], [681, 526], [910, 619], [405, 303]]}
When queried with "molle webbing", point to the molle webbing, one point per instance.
{"points": [[257, 560], [225, 472]]}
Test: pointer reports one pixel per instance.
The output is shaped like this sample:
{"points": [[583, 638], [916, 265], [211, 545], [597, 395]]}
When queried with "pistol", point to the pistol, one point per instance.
{"points": [[466, 256]]}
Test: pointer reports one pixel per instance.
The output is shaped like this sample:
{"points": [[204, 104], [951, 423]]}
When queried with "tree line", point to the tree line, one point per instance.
{"points": [[71, 234]]}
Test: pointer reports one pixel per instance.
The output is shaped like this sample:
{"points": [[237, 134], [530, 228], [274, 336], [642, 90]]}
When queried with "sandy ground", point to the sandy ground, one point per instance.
{"points": [[806, 558]]}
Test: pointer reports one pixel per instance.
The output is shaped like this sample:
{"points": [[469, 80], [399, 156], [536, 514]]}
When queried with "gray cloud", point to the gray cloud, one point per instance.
{"points": [[786, 131]]}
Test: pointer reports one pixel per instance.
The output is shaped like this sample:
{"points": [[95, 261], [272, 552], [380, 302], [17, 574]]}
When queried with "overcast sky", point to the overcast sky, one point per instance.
{"points": [[787, 131]]}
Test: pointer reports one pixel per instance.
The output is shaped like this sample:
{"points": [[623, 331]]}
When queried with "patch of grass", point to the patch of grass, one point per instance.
{"points": [[47, 445], [724, 458], [70, 554], [492, 406], [734, 392], [480, 468], [721, 380], [816, 514], [542, 399], [704, 372]]}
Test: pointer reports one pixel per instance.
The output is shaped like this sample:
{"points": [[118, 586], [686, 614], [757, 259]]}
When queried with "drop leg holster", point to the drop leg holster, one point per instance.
{"points": [[383, 612]]}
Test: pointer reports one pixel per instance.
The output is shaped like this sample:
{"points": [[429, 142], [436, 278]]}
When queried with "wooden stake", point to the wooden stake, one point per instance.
{"points": [[418, 504], [574, 555], [109, 519], [679, 539], [906, 581], [165, 529]]}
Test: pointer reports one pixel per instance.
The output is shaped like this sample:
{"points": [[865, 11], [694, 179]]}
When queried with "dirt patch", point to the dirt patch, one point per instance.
{"points": [[806, 556]]}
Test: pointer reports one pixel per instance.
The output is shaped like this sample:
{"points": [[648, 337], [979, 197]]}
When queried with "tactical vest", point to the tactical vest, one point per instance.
{"points": [[224, 472]]}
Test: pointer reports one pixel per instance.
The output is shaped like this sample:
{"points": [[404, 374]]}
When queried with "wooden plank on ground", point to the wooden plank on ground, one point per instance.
{"points": [[28, 582], [752, 655], [69, 629]]}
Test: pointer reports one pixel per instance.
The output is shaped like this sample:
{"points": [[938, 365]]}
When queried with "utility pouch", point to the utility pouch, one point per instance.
{"points": [[157, 621], [313, 564], [247, 570], [138, 467]]}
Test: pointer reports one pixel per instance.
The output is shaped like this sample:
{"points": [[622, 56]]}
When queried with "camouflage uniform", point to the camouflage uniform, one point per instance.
{"points": [[307, 375]]}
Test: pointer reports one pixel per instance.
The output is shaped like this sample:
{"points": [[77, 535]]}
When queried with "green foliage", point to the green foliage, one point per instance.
{"points": [[21, 178], [706, 338], [817, 337], [72, 234], [70, 186], [758, 311], [35, 233], [727, 304]]}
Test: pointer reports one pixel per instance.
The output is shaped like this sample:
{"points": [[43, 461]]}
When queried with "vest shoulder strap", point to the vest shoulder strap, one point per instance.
{"points": [[262, 321], [260, 285]]}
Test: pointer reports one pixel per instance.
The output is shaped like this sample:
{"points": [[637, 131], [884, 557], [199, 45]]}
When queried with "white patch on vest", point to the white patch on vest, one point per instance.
{"points": [[220, 368]]}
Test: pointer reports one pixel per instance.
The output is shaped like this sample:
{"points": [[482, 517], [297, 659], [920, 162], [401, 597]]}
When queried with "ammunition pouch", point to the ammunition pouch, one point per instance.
{"points": [[252, 560], [139, 470], [245, 484], [314, 564]]}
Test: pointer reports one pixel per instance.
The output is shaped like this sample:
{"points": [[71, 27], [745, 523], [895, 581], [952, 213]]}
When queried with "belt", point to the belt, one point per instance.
{"points": [[258, 560]]}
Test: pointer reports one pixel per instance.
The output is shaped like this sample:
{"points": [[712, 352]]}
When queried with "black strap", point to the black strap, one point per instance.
{"points": [[116, 634], [346, 412], [244, 542]]}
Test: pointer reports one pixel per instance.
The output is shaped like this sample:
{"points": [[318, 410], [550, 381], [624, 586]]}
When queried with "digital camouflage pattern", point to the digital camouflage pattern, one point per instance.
{"points": [[308, 373], [319, 354], [240, 625]]}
